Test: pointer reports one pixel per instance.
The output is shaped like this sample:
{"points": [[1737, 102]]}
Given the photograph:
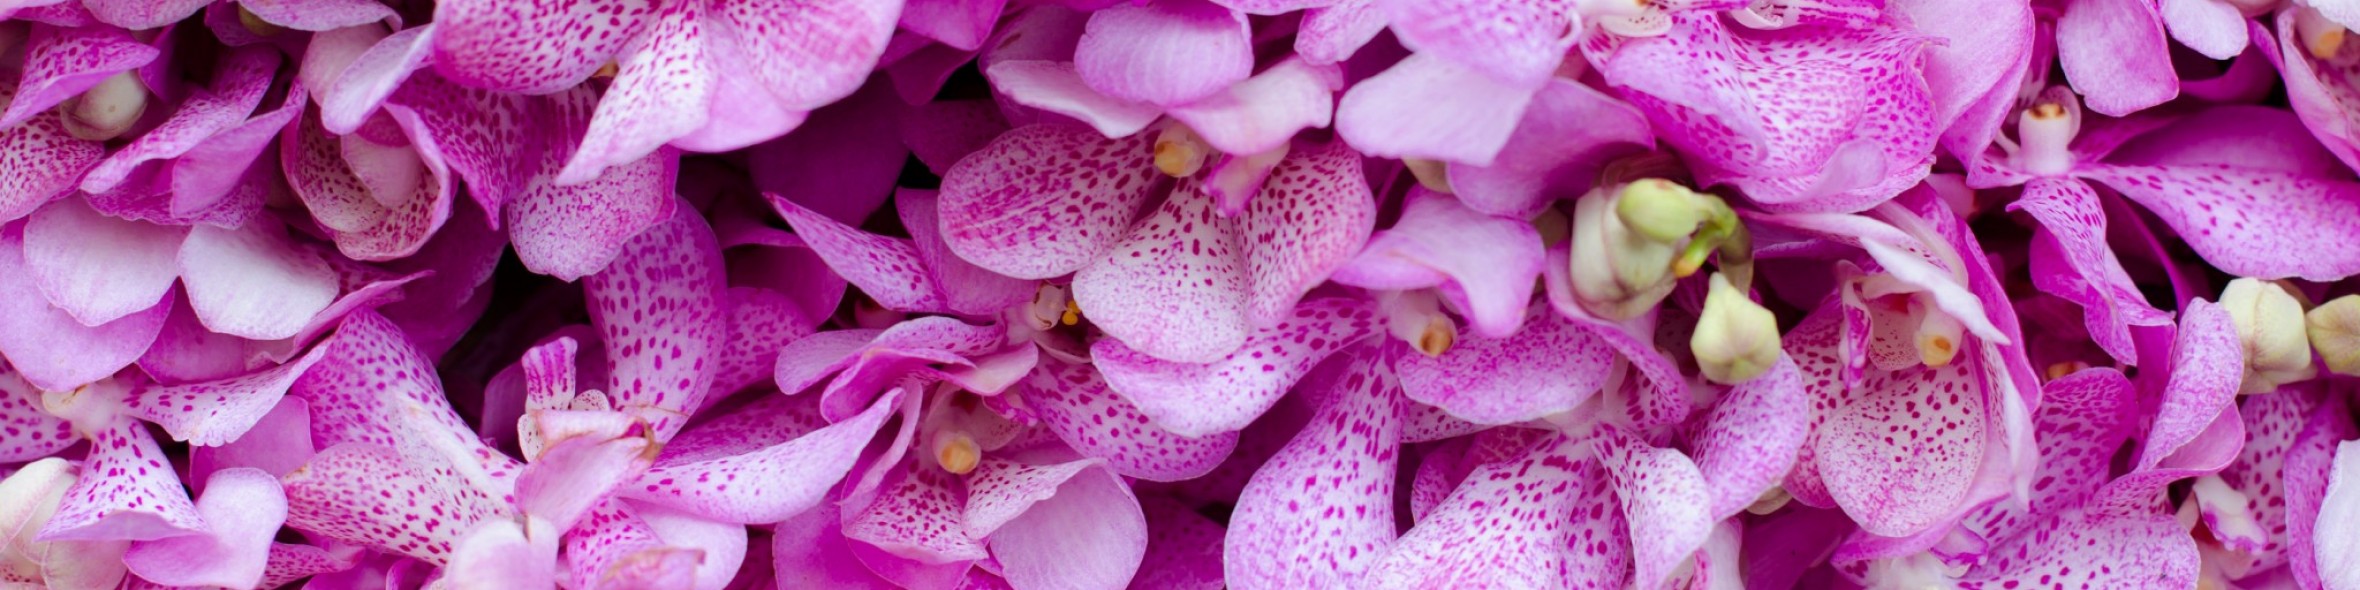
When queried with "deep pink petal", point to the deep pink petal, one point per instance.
{"points": [[842, 164], [1314, 213], [1183, 548], [1264, 111], [2245, 221], [538, 50], [2083, 268]]}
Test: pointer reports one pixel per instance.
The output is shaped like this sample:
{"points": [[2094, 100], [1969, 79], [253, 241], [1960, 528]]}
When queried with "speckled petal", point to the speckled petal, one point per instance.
{"points": [[239, 87], [39, 162], [764, 485], [2250, 222], [243, 509], [1332, 33], [1903, 453], [26, 432], [1541, 518], [364, 228], [659, 94], [1044, 201], [807, 53], [917, 515], [1485, 265], [47, 346], [1665, 500], [99, 268], [374, 496], [1070, 525], [2084, 418], [1749, 439], [1075, 404], [761, 321], [1176, 288], [128, 491], [213, 413], [350, 94], [542, 48], [613, 546], [2207, 362], [1314, 213], [2084, 269], [1320, 513], [658, 308], [62, 62], [1225, 395], [1801, 119], [2081, 549], [1548, 367], [571, 231], [888, 270]]}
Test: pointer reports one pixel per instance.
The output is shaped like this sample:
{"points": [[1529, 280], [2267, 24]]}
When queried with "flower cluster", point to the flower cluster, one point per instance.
{"points": [[1179, 294]]}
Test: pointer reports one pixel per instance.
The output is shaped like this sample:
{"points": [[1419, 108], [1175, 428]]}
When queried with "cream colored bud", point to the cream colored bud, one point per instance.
{"points": [[1736, 339], [2271, 330], [1616, 273], [107, 110], [1661, 209], [2334, 330]]}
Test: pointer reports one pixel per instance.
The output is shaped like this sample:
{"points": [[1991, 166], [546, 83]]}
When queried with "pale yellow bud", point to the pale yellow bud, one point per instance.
{"points": [[1736, 339], [2334, 330], [2270, 328]]}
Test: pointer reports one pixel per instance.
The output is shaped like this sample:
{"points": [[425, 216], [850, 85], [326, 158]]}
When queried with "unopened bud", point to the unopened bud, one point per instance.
{"points": [[107, 110], [2334, 330], [2272, 332], [1661, 209], [1179, 152], [1616, 273], [1736, 339]]}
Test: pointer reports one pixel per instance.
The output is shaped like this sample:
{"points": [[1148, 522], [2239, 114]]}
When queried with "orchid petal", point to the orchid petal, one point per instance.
{"points": [[1548, 367], [537, 50], [916, 516], [2092, 276], [1225, 395], [1430, 107], [1539, 519], [2245, 221], [1665, 500], [243, 509], [1750, 438], [63, 62], [1485, 265], [26, 432], [765, 485], [1073, 525], [1319, 514], [128, 492], [426, 509], [98, 268], [1075, 403], [1907, 448], [1264, 111], [1057, 88], [1175, 288], [1563, 141], [658, 308], [214, 413], [1165, 52], [2115, 54], [47, 346], [251, 282]]}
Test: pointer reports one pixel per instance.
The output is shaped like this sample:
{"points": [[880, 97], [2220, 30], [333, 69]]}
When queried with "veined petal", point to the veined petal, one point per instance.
{"points": [[658, 308], [535, 49], [1430, 107], [139, 14], [99, 268], [1164, 52], [243, 509], [1075, 404], [1485, 265], [51, 349], [761, 321], [770, 420], [377, 388], [1330, 34], [956, 23], [766, 485], [2115, 54], [1225, 395], [1320, 513], [39, 161], [1516, 43], [128, 492], [2084, 418], [2248, 222], [1176, 287], [1044, 201], [1548, 367], [1073, 524], [62, 62], [2091, 275]]}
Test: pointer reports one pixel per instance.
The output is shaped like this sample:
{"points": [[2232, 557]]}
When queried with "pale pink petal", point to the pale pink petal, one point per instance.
{"points": [[142, 14], [374, 496], [51, 349], [1332, 33], [659, 94], [2115, 54], [1516, 43], [1314, 213], [354, 91], [243, 509], [1665, 500], [967, 288], [252, 282], [1563, 141], [1548, 367], [764, 485], [1538, 519], [1266, 110], [957, 23], [2206, 366], [1973, 74], [1485, 265], [244, 78], [576, 474], [1079, 527], [98, 268], [1044, 201], [723, 544], [572, 231], [1320, 513], [614, 547], [39, 162], [1749, 439], [1905, 451], [2250, 222], [276, 444], [2215, 29], [1164, 52], [2086, 549], [213, 413], [1430, 107], [1228, 393], [807, 54], [1056, 87], [505, 554], [320, 15]]}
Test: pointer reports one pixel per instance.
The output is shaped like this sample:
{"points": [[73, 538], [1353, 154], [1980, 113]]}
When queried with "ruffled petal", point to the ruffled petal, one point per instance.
{"points": [[1075, 404], [1665, 500], [659, 94], [1973, 74], [1044, 201], [1165, 52], [243, 509], [2080, 548], [1565, 139], [1548, 367], [213, 413], [1264, 111], [1749, 439], [658, 308], [2207, 362], [1225, 395], [1485, 265], [2091, 275], [1320, 512], [1515, 43], [1176, 287], [918, 516], [374, 496]]}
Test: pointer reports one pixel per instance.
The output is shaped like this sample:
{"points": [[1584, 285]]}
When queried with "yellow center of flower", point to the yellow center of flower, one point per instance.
{"points": [[1439, 335], [957, 453], [1179, 152]]}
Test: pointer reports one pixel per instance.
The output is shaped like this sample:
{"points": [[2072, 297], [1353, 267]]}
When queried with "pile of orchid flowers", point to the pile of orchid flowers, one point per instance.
{"points": [[1179, 294]]}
